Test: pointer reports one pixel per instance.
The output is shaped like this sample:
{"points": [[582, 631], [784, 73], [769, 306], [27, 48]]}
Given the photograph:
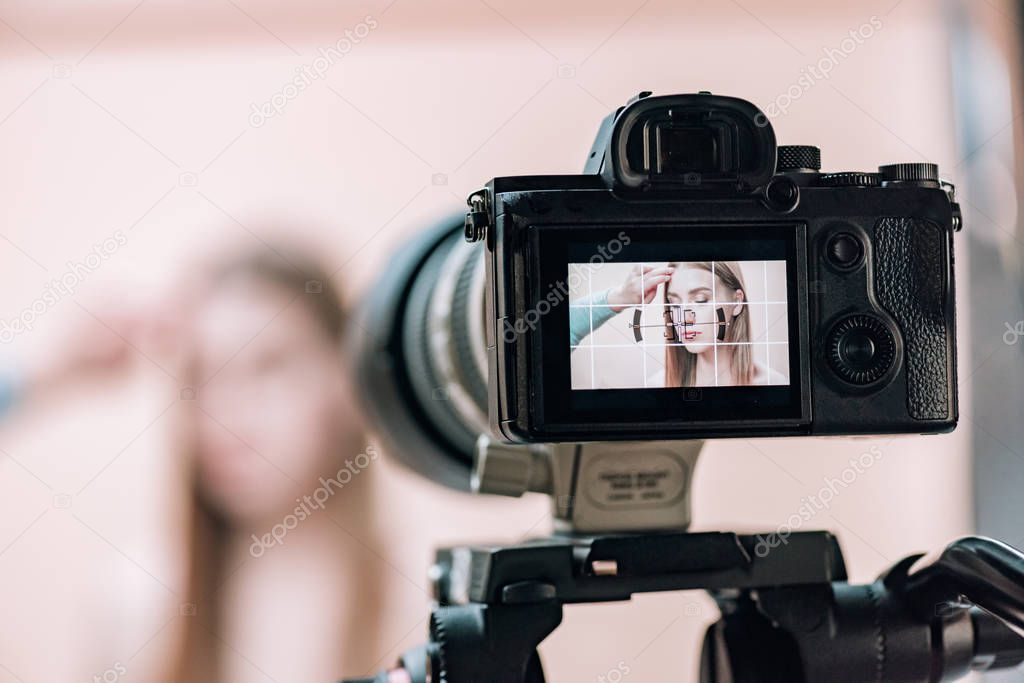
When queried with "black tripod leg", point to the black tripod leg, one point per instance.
{"points": [[494, 643], [534, 670], [746, 647]]}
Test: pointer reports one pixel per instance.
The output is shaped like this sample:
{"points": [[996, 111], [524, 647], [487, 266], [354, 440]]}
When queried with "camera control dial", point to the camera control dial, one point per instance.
{"points": [[796, 158], [925, 174], [861, 349], [850, 179]]}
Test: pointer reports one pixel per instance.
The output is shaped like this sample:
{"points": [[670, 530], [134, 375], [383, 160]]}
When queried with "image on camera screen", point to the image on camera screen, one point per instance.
{"points": [[678, 324]]}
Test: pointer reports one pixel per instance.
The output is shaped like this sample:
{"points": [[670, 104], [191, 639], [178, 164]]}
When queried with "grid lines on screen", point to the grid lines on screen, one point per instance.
{"points": [[604, 350]]}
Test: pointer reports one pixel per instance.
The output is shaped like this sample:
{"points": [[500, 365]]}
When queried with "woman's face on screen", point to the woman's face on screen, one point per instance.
{"points": [[695, 289]]}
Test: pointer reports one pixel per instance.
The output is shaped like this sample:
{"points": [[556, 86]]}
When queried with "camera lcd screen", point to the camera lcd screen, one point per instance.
{"points": [[668, 324], [662, 324]]}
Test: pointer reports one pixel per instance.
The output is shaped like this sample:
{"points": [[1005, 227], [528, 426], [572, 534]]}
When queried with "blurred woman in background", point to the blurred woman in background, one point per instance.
{"points": [[281, 543], [283, 572]]}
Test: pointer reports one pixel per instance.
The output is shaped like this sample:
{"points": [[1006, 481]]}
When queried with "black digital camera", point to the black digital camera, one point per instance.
{"points": [[696, 281]]}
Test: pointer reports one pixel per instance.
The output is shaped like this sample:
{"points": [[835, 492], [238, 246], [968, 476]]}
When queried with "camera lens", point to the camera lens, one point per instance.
{"points": [[418, 353]]}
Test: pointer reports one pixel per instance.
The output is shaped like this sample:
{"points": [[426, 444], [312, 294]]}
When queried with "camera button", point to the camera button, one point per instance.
{"points": [[844, 251], [782, 194], [861, 349]]}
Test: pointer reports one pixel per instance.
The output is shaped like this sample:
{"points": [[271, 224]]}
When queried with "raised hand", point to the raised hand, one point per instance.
{"points": [[640, 286]]}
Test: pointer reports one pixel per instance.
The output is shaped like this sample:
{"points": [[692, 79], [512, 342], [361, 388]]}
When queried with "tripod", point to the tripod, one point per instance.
{"points": [[788, 613]]}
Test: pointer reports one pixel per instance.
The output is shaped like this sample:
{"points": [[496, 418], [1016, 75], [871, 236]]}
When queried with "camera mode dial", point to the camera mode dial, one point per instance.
{"points": [[850, 179], [861, 349], [923, 174], [798, 158]]}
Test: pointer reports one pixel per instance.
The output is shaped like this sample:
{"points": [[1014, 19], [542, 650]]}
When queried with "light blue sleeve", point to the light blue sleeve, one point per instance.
{"points": [[580, 316], [9, 387]]}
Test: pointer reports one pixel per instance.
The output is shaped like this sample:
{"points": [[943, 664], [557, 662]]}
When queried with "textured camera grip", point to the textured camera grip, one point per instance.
{"points": [[910, 282]]}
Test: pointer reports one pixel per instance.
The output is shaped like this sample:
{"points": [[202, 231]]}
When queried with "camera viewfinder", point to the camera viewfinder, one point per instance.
{"points": [[688, 149]]}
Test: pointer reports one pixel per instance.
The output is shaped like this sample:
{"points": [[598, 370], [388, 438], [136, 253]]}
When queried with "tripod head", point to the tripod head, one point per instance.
{"points": [[597, 487], [787, 617]]}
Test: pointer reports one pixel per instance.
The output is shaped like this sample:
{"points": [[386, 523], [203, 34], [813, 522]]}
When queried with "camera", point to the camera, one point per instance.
{"points": [[578, 336], [699, 281]]}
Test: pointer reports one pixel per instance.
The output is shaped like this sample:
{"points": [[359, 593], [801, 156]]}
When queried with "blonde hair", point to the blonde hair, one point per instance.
{"points": [[681, 364], [208, 531]]}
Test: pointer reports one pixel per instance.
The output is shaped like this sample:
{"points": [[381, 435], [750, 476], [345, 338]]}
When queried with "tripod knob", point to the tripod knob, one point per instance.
{"points": [[508, 469]]}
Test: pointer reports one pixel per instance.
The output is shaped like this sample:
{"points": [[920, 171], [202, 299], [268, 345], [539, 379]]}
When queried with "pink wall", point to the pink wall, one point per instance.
{"points": [[96, 144]]}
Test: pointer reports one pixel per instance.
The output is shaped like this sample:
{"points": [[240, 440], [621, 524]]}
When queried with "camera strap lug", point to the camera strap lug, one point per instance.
{"points": [[479, 216]]}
